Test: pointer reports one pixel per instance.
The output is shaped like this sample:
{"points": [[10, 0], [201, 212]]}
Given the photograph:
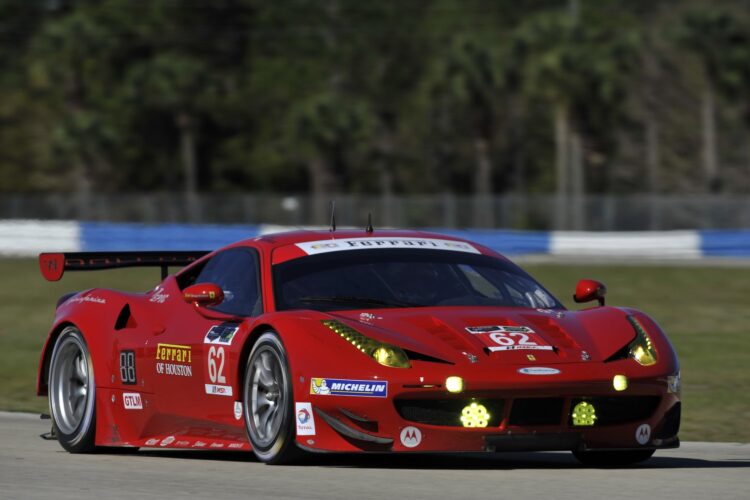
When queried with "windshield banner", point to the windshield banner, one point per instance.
{"points": [[332, 245]]}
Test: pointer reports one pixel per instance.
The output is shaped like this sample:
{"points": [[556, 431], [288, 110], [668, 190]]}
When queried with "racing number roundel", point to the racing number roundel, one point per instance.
{"points": [[216, 365]]}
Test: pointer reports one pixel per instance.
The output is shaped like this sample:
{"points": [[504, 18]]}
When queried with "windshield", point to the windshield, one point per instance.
{"points": [[404, 278]]}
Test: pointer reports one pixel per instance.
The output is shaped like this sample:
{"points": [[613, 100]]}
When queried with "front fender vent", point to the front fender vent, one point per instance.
{"points": [[125, 319]]}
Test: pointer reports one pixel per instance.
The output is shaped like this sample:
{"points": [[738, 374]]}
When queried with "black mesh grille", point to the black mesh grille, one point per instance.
{"points": [[671, 425], [445, 412], [621, 409], [536, 411]]}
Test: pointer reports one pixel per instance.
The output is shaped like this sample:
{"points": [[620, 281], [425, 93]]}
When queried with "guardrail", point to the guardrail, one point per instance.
{"points": [[25, 238]]}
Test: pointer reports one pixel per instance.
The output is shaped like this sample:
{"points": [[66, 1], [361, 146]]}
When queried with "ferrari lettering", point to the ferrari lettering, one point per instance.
{"points": [[316, 247], [340, 387], [173, 352]]}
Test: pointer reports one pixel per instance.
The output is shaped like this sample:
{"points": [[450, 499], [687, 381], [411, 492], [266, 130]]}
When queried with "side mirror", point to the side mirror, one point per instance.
{"points": [[203, 294], [588, 290]]}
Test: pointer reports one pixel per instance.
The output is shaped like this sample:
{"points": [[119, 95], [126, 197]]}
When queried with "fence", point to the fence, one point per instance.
{"points": [[529, 212]]}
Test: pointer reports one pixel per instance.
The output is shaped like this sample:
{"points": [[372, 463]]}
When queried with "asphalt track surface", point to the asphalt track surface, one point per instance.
{"points": [[33, 468]]}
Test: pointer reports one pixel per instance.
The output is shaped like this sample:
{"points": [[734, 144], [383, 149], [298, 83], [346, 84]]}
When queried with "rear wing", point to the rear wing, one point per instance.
{"points": [[53, 265]]}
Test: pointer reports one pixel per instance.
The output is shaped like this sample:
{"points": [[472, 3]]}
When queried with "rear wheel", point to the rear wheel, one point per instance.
{"points": [[268, 401], [72, 392], [612, 458]]}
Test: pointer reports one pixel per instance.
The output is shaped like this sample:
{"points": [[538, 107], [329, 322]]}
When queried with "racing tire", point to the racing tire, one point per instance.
{"points": [[72, 392], [612, 458], [268, 402]]}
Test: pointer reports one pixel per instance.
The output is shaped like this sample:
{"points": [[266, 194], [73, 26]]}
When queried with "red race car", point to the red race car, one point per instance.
{"points": [[392, 341]]}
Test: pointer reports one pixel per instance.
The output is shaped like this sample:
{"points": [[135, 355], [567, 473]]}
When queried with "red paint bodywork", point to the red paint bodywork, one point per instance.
{"points": [[177, 412]]}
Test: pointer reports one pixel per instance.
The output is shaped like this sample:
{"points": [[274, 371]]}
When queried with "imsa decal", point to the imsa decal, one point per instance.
{"points": [[345, 387]]}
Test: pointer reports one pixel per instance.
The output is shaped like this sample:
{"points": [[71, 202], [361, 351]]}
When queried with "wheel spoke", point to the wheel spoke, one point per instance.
{"points": [[81, 368], [265, 376]]}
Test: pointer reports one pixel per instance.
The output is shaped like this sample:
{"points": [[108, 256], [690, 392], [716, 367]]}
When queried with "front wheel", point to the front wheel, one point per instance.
{"points": [[612, 458], [72, 392], [268, 401]]}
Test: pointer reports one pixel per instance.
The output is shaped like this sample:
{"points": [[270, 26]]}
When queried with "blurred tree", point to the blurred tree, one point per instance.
{"points": [[718, 39], [580, 66], [19, 112]]}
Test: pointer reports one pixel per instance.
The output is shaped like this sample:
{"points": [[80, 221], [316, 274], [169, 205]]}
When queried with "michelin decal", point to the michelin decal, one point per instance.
{"points": [[344, 387]]}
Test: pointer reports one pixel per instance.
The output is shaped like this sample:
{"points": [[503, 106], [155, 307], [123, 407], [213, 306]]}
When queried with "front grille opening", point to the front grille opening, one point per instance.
{"points": [[536, 411], [671, 425], [621, 409], [446, 412]]}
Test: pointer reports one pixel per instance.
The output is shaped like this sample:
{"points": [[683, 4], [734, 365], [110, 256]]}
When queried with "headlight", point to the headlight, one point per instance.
{"points": [[641, 349], [385, 354]]}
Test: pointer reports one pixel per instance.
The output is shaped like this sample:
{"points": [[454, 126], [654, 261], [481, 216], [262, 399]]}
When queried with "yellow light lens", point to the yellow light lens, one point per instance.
{"points": [[641, 349], [454, 384], [584, 414], [385, 354], [475, 415], [620, 382]]}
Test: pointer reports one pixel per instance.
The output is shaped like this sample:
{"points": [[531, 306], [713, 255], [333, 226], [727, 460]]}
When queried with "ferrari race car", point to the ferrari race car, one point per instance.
{"points": [[392, 341]]}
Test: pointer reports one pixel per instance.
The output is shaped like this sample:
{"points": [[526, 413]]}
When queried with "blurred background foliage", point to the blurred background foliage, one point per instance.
{"points": [[396, 96]]}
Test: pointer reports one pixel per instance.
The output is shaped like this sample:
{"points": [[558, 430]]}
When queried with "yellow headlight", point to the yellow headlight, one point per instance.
{"points": [[584, 414], [475, 415], [620, 382], [454, 384], [385, 354], [641, 349]]}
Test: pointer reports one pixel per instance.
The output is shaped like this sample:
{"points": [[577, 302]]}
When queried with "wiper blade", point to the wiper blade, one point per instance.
{"points": [[359, 300]]}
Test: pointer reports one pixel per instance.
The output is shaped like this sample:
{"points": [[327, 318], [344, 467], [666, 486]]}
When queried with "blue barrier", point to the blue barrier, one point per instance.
{"points": [[99, 236], [504, 241], [29, 237], [725, 243]]}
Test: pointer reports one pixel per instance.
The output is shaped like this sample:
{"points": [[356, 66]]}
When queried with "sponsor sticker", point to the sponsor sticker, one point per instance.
{"points": [[325, 246], [368, 317], [344, 387], [159, 297], [538, 370], [411, 437], [152, 442], [217, 445], [199, 444], [305, 419], [167, 441], [219, 390], [174, 359], [182, 443], [237, 410], [643, 434], [132, 401], [235, 446], [221, 334], [87, 298]]}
